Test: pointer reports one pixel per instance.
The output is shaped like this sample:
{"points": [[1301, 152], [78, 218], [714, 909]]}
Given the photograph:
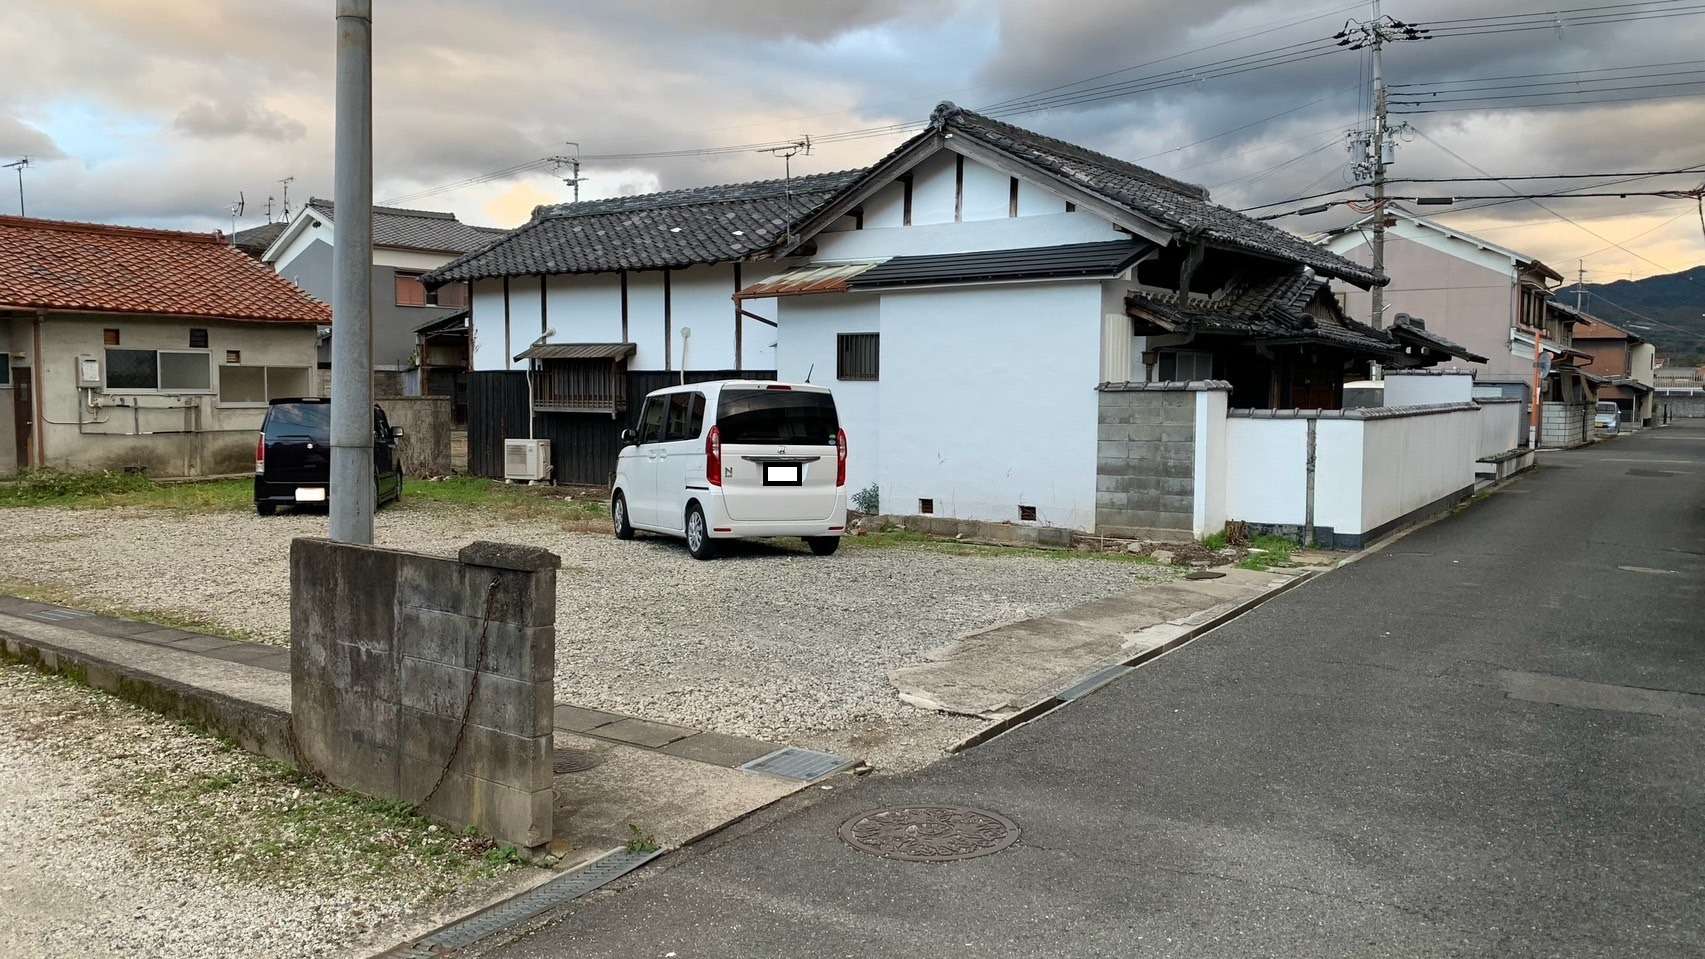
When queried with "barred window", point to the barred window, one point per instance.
{"points": [[857, 356]]}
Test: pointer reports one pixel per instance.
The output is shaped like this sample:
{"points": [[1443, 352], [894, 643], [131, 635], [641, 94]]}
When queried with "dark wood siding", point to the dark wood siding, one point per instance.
{"points": [[497, 410]]}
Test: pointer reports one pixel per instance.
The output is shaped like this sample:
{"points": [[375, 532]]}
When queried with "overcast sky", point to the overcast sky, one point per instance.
{"points": [[159, 113]]}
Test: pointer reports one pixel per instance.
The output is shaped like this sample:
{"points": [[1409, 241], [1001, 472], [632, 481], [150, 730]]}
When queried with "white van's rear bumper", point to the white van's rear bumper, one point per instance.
{"points": [[724, 527]]}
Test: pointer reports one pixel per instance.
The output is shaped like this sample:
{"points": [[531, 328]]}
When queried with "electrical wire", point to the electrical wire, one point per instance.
{"points": [[1530, 76], [1411, 111]]}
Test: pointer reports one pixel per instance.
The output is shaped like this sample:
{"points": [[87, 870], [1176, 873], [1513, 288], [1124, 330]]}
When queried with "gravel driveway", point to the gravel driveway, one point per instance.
{"points": [[766, 642]]}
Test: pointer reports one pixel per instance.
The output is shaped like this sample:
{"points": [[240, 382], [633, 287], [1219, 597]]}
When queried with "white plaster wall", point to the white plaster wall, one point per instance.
{"points": [[1339, 484], [645, 320], [585, 308], [1266, 465], [989, 402], [1501, 426], [810, 325], [1008, 233], [988, 193], [1411, 389], [1411, 461], [702, 299], [526, 322], [1038, 201], [885, 208], [487, 305], [933, 189], [1211, 461]]}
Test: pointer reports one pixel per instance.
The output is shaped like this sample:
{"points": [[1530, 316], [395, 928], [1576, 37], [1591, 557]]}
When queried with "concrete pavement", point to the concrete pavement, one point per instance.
{"points": [[1484, 740]]}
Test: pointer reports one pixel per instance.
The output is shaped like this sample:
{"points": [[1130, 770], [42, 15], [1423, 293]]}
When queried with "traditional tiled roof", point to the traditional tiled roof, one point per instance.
{"points": [[1172, 203], [653, 231], [1269, 307], [93, 267], [1412, 332], [420, 229], [256, 239]]}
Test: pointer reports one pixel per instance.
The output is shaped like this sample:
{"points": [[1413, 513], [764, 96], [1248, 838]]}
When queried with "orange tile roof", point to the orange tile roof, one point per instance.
{"points": [[94, 267]]}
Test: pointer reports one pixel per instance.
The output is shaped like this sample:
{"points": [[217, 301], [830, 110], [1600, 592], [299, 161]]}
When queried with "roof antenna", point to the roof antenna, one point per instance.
{"points": [[810, 370], [574, 179], [237, 211], [286, 184], [19, 165], [787, 153]]}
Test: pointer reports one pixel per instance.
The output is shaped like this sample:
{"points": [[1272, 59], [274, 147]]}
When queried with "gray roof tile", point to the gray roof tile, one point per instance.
{"points": [[654, 231], [421, 229]]}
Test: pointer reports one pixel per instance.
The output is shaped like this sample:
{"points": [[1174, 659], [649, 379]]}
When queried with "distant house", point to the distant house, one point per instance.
{"points": [[1621, 363], [970, 297], [255, 240], [142, 349], [1494, 301], [406, 244]]}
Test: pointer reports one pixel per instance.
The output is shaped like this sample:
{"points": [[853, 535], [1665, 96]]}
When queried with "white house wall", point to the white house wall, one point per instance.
{"points": [[526, 323], [1421, 389], [933, 189], [490, 350], [1266, 471], [1412, 461], [988, 401], [809, 349], [585, 309]]}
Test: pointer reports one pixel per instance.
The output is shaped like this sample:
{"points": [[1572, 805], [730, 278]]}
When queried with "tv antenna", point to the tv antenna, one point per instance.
{"points": [[19, 165], [286, 184], [572, 161], [237, 209], [787, 153]]}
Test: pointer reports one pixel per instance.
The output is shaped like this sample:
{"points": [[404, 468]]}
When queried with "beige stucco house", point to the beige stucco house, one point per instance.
{"points": [[142, 349]]}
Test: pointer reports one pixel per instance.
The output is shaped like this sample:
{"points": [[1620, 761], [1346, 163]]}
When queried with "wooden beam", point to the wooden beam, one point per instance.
{"points": [[668, 333], [1187, 269], [958, 187], [738, 324], [891, 169], [906, 200], [508, 351], [1138, 224], [753, 316], [1012, 196], [544, 319]]}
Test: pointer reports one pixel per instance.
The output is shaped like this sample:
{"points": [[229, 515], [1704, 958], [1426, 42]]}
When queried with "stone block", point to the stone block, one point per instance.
{"points": [[522, 761], [508, 704], [519, 816], [719, 749], [1185, 433], [519, 652], [508, 556], [576, 719]]}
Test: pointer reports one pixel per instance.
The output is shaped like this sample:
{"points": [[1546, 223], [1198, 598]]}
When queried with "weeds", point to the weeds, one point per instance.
{"points": [[1275, 551], [639, 840], [907, 539]]}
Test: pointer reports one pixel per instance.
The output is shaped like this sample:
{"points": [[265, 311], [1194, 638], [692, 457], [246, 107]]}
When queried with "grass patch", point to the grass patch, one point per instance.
{"points": [[61, 596], [563, 503], [1276, 551], [107, 490], [1216, 541], [908, 539]]}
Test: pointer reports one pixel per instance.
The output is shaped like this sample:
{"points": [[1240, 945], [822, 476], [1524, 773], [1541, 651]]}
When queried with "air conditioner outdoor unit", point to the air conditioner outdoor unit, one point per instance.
{"points": [[527, 460]]}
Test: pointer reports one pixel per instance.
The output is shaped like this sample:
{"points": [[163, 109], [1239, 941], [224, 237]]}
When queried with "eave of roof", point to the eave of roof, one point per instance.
{"points": [[578, 351]]}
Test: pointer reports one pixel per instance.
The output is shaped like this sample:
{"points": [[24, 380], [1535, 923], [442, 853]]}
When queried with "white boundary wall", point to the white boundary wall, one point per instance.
{"points": [[1502, 426]]}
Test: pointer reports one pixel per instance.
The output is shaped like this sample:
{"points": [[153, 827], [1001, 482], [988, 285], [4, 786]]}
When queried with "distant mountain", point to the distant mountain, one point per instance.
{"points": [[1676, 301]]}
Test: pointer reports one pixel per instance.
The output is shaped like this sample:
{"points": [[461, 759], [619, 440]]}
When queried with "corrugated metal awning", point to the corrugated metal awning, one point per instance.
{"points": [[578, 351], [830, 278]]}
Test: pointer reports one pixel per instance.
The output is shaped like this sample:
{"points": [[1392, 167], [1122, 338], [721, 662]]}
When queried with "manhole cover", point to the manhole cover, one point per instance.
{"points": [[1205, 574], [929, 833], [573, 761]]}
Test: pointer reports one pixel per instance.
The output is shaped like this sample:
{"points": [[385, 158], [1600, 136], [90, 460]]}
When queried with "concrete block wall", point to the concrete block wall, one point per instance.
{"points": [[1563, 424], [385, 646], [426, 422], [1146, 459]]}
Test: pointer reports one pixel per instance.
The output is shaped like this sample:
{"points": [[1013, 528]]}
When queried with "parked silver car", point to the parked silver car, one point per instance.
{"points": [[1608, 418]]}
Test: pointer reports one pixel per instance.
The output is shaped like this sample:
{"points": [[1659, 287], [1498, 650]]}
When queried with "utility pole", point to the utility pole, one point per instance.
{"points": [[352, 490], [19, 165], [1580, 286], [572, 161], [1378, 148]]}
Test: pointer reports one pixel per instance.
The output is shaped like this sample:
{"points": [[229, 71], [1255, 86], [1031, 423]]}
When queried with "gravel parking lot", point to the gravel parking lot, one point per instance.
{"points": [[768, 641]]}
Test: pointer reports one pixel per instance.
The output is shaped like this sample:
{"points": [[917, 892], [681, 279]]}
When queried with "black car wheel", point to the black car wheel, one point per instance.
{"points": [[265, 509], [823, 545]]}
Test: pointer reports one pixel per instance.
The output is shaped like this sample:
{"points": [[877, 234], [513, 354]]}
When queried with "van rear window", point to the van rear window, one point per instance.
{"points": [[310, 421], [777, 416]]}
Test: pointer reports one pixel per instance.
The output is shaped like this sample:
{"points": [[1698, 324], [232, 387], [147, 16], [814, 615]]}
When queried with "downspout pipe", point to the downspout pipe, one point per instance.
{"points": [[352, 489]]}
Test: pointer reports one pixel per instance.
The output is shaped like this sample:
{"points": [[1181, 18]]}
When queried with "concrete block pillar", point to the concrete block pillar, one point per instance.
{"points": [[428, 679]]}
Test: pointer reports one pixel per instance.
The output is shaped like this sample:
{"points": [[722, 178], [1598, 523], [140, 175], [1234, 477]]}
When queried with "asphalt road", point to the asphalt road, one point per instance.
{"points": [[1487, 739]]}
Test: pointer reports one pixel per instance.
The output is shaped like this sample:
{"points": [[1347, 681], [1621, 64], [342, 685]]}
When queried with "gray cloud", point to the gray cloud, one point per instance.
{"points": [[215, 119], [18, 138]]}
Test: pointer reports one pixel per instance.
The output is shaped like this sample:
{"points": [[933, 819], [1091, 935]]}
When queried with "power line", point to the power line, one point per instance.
{"points": [[1411, 111], [1427, 95], [1561, 73], [1547, 13], [1552, 93]]}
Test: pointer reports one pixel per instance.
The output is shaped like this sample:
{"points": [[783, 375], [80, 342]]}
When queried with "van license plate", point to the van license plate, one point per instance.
{"points": [[781, 475], [310, 494]]}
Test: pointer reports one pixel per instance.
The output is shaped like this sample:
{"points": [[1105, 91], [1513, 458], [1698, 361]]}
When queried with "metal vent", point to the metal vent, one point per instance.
{"points": [[926, 507], [57, 615], [791, 762], [1027, 514], [507, 915]]}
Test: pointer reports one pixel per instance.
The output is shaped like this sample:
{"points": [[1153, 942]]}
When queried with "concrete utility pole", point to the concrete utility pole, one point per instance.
{"points": [[352, 491], [1580, 286], [1377, 147]]}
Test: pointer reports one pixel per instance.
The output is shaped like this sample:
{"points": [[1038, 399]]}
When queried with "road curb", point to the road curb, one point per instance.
{"points": [[1094, 679]]}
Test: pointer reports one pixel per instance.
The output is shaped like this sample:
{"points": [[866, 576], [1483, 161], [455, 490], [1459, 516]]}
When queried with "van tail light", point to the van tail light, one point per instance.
{"points": [[840, 457], [260, 455], [713, 456]]}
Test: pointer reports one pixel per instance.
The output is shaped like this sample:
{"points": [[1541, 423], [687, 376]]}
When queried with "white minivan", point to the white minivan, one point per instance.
{"points": [[734, 458]]}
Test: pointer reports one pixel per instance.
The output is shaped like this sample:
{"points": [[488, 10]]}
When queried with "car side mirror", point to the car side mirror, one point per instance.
{"points": [[630, 438], [396, 433]]}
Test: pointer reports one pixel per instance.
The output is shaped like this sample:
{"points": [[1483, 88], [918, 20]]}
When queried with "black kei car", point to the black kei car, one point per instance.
{"points": [[293, 456]]}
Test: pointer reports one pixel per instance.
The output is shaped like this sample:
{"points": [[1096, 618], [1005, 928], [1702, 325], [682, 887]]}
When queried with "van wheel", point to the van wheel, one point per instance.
{"points": [[823, 545], [265, 509], [619, 517], [699, 542]]}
